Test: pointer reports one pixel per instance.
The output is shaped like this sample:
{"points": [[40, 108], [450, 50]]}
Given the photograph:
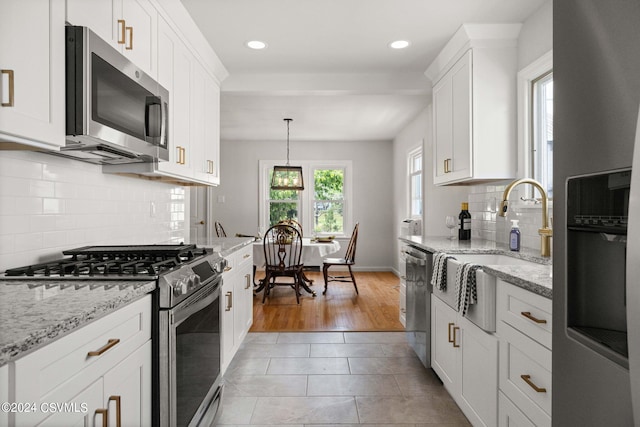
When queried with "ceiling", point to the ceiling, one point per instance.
{"points": [[328, 65]]}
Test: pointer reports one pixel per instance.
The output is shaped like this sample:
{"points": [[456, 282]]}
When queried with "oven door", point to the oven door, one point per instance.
{"points": [[190, 380]]}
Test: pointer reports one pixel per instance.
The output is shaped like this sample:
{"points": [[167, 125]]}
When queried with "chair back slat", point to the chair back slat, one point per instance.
{"points": [[219, 230], [350, 254], [282, 248]]}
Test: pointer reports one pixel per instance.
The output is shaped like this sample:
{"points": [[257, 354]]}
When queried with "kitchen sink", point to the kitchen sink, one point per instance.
{"points": [[483, 313], [492, 259]]}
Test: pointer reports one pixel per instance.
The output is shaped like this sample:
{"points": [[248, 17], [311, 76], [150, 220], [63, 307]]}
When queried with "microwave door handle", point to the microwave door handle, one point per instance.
{"points": [[153, 120]]}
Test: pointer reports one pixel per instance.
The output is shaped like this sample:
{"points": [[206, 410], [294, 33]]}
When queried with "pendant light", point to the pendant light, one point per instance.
{"points": [[287, 177]]}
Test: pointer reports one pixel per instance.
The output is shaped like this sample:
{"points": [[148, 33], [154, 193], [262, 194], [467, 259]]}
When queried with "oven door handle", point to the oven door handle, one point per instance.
{"points": [[204, 297]]}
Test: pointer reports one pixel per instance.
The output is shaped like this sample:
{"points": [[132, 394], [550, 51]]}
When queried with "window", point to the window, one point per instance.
{"points": [[323, 207], [415, 183], [535, 123], [328, 203], [542, 131]]}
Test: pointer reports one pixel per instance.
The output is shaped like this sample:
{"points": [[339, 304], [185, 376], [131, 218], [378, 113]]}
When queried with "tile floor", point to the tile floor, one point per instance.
{"points": [[334, 379]]}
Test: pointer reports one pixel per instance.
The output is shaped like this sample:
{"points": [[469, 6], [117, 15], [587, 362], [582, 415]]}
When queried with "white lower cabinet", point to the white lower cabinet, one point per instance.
{"points": [[524, 327], [4, 393], [466, 359], [509, 414], [90, 377], [236, 302]]}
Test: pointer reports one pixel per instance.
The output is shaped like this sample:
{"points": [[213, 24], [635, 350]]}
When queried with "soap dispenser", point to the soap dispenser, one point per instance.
{"points": [[514, 236]]}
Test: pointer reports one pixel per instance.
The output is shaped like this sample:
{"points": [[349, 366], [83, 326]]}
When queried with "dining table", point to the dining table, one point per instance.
{"points": [[313, 252]]}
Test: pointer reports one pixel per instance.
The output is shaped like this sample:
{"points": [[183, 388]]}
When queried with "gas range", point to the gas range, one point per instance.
{"points": [[179, 270]]}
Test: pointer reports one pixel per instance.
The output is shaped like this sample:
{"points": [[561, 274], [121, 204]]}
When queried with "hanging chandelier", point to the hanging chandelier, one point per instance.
{"points": [[287, 177]]}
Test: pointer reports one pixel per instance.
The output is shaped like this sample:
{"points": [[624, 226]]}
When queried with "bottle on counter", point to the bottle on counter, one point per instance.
{"points": [[514, 236], [464, 229]]}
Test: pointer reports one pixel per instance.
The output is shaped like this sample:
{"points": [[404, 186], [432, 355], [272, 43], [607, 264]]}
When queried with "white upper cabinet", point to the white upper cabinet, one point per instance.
{"points": [[474, 105], [129, 25], [32, 87]]}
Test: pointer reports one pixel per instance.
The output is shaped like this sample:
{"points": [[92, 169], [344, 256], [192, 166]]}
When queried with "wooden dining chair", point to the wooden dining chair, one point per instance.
{"points": [[348, 260], [282, 254], [219, 230]]}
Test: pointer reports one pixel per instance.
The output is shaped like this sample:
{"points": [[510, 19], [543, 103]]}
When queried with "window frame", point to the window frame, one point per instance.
{"points": [[411, 155], [525, 80], [307, 196]]}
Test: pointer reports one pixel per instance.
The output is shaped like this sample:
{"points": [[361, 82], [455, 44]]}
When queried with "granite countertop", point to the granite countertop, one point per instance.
{"points": [[536, 278], [224, 245], [34, 317]]}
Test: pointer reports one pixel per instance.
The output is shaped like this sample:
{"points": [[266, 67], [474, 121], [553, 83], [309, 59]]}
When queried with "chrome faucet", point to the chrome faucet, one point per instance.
{"points": [[545, 232]]}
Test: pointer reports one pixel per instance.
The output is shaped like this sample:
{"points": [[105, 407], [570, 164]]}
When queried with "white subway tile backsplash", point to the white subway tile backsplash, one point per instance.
{"points": [[484, 203], [49, 203], [21, 168]]}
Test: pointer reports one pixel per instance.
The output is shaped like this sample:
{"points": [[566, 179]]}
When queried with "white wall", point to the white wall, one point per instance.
{"points": [[48, 204], [372, 190], [439, 201], [536, 35]]}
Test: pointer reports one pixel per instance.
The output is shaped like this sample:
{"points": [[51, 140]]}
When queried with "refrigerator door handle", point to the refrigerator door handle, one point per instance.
{"points": [[633, 279]]}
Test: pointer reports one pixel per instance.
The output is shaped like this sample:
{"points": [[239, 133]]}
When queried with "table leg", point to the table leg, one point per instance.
{"points": [[305, 282]]}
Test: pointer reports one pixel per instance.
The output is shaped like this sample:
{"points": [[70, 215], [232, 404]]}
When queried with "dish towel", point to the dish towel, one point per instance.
{"points": [[466, 292], [439, 274]]}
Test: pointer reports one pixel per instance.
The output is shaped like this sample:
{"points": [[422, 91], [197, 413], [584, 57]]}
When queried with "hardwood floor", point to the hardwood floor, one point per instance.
{"points": [[374, 309]]}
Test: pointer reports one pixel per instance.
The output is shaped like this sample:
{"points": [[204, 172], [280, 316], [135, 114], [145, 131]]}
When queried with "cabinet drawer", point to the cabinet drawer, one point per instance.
{"points": [[64, 367], [244, 256], [525, 374], [239, 258], [528, 312], [509, 415]]}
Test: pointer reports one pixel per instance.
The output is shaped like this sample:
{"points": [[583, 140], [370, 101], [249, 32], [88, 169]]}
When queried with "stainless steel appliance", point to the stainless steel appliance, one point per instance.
{"points": [[115, 113], [596, 301], [186, 332], [418, 264]]}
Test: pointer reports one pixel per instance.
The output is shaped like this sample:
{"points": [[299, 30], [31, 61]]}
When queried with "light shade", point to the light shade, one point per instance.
{"points": [[287, 178]]}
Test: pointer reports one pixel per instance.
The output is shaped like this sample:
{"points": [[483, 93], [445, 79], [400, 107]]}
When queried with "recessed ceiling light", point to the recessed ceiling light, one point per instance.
{"points": [[256, 44], [399, 44]]}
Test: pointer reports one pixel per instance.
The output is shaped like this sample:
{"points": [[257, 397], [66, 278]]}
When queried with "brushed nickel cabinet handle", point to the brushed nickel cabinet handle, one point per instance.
{"points": [[449, 332], [110, 344], [227, 268], [455, 344], [229, 296], [118, 410], [105, 416], [130, 45], [248, 279], [445, 166], [246, 256], [9, 74], [527, 379], [528, 315], [121, 26]]}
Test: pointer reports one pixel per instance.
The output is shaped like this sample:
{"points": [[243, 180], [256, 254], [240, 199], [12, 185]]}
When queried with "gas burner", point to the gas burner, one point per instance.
{"points": [[113, 262]]}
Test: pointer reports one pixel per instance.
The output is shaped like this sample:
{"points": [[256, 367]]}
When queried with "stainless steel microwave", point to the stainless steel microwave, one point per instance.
{"points": [[115, 112]]}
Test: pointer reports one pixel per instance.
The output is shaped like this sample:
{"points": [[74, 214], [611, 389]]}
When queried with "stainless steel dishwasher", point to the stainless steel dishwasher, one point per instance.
{"points": [[418, 264]]}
